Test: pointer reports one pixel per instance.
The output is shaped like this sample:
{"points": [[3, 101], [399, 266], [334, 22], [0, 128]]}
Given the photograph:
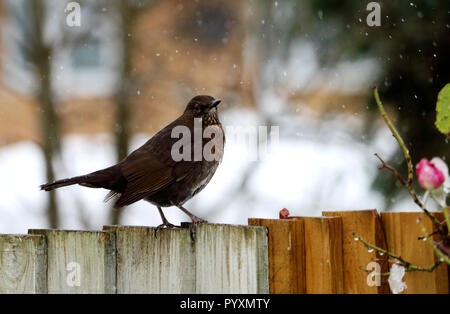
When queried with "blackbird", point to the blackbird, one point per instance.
{"points": [[152, 173]]}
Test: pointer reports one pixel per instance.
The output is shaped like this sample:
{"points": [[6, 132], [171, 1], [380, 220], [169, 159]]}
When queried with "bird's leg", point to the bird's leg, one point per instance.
{"points": [[166, 223], [194, 218]]}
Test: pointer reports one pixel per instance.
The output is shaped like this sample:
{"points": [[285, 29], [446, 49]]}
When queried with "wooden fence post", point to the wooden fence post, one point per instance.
{"points": [[402, 232], [23, 264], [79, 261], [231, 259], [149, 264], [323, 252], [366, 224], [221, 259], [286, 254]]}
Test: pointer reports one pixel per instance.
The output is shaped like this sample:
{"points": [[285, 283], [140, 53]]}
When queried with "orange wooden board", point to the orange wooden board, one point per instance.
{"points": [[402, 232], [366, 224], [323, 254], [286, 254]]}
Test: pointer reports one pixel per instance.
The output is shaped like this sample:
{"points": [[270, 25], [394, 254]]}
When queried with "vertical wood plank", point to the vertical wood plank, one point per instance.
{"points": [[23, 264], [231, 259], [323, 251], [366, 224], [79, 261], [149, 264], [402, 231], [286, 249]]}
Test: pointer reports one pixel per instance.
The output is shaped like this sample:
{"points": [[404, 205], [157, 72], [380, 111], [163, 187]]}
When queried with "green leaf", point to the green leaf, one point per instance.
{"points": [[443, 110]]}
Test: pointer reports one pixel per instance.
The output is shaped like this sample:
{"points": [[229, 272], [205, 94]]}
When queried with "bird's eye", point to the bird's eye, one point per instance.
{"points": [[196, 106]]}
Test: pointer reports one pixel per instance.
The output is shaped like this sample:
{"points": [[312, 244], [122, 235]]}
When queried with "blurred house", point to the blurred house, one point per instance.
{"points": [[180, 49]]}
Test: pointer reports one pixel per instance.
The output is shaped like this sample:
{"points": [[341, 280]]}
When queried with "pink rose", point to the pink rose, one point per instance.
{"points": [[430, 176]]}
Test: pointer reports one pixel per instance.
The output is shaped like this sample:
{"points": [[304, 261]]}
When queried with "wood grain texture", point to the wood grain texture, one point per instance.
{"points": [[286, 249], [79, 261], [366, 224], [231, 259], [402, 231], [149, 264], [323, 252], [23, 264]]}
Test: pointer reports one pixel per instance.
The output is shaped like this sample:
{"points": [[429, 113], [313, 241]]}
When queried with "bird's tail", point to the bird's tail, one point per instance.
{"points": [[108, 178], [63, 182]]}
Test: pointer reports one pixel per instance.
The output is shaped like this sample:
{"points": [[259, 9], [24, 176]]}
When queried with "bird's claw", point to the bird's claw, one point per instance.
{"points": [[197, 220], [193, 226], [166, 225]]}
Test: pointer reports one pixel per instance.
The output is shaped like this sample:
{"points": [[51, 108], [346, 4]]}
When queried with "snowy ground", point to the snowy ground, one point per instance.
{"points": [[310, 170]]}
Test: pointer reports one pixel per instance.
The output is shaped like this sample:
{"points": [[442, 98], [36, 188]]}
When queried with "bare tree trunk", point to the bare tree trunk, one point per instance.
{"points": [[49, 135], [126, 16], [123, 93], [40, 58]]}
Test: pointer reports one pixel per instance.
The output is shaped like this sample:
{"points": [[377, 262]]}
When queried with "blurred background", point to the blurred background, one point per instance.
{"points": [[74, 99]]}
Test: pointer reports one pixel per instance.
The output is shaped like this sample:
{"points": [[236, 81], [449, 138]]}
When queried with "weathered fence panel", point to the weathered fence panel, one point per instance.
{"points": [[323, 252], [286, 249], [402, 232], [220, 259], [231, 259], [79, 261], [154, 263], [23, 264], [366, 224]]}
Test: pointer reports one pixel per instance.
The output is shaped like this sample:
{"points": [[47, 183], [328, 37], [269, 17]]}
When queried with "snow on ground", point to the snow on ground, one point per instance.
{"points": [[307, 172]]}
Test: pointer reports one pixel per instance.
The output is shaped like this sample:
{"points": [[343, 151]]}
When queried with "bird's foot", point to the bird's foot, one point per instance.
{"points": [[193, 226], [166, 225], [194, 218], [197, 220]]}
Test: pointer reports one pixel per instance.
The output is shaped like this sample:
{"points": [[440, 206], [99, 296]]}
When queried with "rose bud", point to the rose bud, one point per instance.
{"points": [[441, 165], [284, 214], [430, 177]]}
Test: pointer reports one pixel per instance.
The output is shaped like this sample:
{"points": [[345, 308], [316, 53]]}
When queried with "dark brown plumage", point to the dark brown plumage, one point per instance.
{"points": [[151, 173]]}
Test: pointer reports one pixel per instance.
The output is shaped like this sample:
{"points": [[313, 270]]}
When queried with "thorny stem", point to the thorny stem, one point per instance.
{"points": [[439, 253], [408, 183], [407, 265], [427, 235], [394, 172], [374, 272], [396, 135], [447, 217], [435, 221]]}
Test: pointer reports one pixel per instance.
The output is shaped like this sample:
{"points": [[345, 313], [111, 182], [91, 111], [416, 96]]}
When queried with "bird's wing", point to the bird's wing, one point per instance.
{"points": [[144, 174]]}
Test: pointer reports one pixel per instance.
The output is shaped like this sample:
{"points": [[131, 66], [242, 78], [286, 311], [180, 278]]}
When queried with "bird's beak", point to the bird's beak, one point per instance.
{"points": [[215, 103]]}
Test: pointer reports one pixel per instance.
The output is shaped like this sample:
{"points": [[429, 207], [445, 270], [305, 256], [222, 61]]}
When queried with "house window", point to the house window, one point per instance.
{"points": [[80, 66], [86, 54]]}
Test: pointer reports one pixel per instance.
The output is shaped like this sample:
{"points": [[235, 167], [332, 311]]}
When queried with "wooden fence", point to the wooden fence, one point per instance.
{"points": [[297, 255]]}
